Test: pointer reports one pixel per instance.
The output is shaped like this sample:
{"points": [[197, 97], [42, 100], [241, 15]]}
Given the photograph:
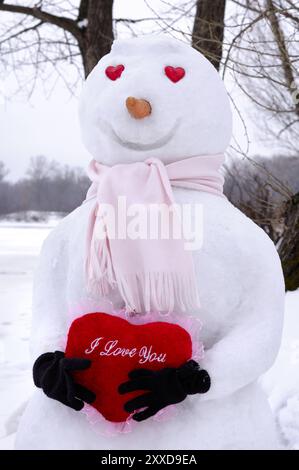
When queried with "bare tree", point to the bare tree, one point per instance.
{"points": [[97, 31], [257, 189], [264, 57], [3, 171], [46, 32], [208, 29], [40, 168]]}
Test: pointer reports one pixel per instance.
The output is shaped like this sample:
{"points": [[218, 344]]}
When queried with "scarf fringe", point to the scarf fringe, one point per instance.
{"points": [[161, 291], [99, 270], [153, 291]]}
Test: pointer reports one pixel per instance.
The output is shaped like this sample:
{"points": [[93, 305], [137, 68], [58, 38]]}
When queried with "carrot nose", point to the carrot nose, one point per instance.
{"points": [[138, 108]]}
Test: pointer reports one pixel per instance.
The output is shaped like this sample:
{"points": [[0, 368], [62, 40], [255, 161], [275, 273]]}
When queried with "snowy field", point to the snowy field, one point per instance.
{"points": [[20, 244]]}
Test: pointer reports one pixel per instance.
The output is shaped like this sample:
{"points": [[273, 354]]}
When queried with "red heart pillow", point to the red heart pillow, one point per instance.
{"points": [[116, 347]]}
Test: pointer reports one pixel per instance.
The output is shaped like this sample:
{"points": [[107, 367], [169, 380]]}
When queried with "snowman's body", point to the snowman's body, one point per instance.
{"points": [[241, 292]]}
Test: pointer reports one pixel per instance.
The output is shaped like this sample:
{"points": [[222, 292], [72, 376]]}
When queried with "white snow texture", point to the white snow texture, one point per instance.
{"points": [[239, 274]]}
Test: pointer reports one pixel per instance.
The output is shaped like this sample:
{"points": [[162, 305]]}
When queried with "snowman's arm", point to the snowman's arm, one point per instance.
{"points": [[251, 342], [49, 308]]}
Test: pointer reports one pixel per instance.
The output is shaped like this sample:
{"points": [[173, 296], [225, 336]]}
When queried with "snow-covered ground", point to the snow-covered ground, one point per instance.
{"points": [[282, 381], [20, 244]]}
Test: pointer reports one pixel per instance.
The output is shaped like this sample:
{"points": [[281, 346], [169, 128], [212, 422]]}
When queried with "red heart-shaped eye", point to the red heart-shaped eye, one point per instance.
{"points": [[174, 73], [114, 72]]}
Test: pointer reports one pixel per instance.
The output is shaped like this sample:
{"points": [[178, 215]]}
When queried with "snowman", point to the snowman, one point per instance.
{"points": [[156, 119]]}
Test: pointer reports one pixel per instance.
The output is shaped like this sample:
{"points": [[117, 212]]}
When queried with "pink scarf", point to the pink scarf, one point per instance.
{"points": [[150, 274]]}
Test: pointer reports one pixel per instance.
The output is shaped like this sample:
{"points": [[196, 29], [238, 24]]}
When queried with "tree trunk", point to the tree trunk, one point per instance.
{"points": [[98, 35], [289, 246], [208, 29]]}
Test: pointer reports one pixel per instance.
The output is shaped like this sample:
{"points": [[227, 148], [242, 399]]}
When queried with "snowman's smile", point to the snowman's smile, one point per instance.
{"points": [[160, 142]]}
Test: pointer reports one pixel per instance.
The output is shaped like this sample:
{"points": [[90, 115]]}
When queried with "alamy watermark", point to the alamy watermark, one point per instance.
{"points": [[151, 222]]}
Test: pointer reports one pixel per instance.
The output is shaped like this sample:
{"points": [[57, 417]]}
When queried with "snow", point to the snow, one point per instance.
{"points": [[281, 383], [83, 23], [20, 244]]}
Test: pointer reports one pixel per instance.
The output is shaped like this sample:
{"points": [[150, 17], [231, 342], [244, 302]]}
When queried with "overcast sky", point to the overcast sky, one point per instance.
{"points": [[50, 126]]}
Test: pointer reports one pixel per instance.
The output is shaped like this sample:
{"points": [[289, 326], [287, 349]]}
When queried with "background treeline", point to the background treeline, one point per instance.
{"points": [[46, 186]]}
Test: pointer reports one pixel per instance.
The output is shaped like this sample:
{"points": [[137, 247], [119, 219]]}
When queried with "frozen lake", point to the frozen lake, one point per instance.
{"points": [[20, 244]]}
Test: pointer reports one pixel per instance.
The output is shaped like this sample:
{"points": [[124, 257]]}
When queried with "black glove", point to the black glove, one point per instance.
{"points": [[165, 387], [52, 373]]}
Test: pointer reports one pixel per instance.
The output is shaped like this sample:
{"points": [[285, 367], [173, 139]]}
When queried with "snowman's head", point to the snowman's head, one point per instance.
{"points": [[154, 97]]}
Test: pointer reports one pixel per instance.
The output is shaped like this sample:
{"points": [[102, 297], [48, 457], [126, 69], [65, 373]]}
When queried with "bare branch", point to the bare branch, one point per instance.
{"points": [[36, 12]]}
